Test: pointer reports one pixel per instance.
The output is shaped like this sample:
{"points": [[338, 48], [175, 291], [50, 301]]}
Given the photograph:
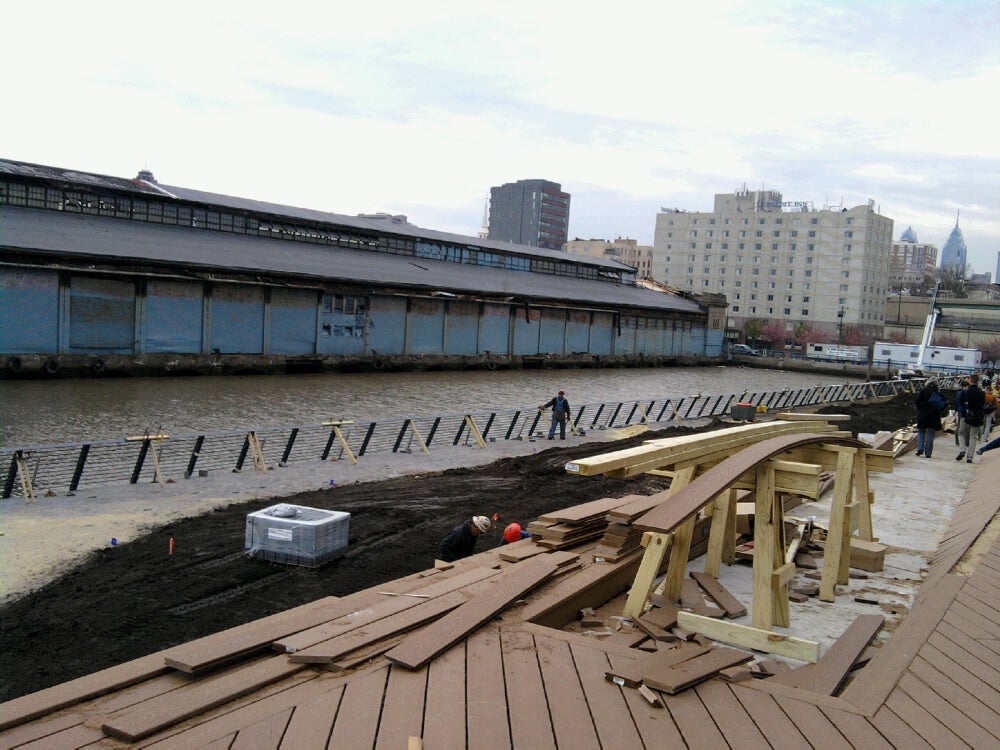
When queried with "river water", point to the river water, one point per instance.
{"points": [[46, 412]]}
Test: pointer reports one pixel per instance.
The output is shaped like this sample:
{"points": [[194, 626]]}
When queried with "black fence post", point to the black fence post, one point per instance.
{"points": [[195, 453], [433, 430], [141, 459], [8, 486], [246, 448], [81, 461], [399, 437], [489, 423], [368, 436], [288, 446], [513, 423]]}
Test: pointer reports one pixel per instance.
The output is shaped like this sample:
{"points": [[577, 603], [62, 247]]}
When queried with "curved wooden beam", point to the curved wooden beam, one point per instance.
{"points": [[669, 514]]}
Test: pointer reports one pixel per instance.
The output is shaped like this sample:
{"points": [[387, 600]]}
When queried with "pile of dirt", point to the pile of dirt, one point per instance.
{"points": [[134, 599]]}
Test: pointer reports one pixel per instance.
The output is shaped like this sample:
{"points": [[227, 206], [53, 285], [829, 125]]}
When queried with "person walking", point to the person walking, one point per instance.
{"points": [[988, 410], [560, 414], [930, 406], [970, 405], [461, 542]]}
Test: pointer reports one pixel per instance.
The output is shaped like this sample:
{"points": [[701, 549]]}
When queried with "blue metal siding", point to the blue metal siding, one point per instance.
{"points": [[601, 334], [552, 337], [387, 332], [425, 327], [495, 329], [293, 321], [462, 328], [578, 332], [29, 312], [174, 316], [238, 319], [526, 332], [101, 315], [625, 335]]}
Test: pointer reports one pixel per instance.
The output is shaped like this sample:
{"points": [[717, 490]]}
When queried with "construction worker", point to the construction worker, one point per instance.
{"points": [[461, 542], [560, 414], [514, 533]]}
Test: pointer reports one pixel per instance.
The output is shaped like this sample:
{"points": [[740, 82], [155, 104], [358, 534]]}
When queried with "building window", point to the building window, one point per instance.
{"points": [[787, 311], [804, 311]]}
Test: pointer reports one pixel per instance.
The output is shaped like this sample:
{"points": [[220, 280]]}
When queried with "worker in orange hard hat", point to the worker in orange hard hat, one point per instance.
{"points": [[461, 542], [514, 533]]}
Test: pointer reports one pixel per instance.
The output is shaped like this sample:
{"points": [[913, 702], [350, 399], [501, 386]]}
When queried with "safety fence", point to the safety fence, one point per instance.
{"points": [[152, 457]]}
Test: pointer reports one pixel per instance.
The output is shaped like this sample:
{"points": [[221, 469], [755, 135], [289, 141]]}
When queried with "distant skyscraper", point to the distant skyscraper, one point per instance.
{"points": [[954, 251], [530, 212]]}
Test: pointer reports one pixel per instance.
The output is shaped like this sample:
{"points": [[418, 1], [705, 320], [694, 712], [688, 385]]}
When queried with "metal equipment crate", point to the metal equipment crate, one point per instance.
{"points": [[297, 535]]}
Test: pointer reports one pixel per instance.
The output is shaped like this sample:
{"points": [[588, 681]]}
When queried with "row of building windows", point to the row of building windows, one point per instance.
{"points": [[693, 234], [778, 220], [163, 212]]}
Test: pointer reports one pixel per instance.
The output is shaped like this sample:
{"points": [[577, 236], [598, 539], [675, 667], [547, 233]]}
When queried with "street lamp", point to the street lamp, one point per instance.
{"points": [[840, 326]]}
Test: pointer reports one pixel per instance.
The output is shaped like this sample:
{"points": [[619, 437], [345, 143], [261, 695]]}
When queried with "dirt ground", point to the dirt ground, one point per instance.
{"points": [[127, 601]]}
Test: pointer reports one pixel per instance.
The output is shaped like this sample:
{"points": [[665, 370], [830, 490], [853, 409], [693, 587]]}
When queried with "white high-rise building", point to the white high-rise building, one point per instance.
{"points": [[779, 261]]}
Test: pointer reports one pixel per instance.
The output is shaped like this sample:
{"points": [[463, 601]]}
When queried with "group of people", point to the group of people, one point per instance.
{"points": [[975, 405]]}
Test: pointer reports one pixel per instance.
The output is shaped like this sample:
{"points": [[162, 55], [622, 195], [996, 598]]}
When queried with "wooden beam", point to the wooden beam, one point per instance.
{"points": [[656, 549], [837, 551], [763, 550], [745, 636]]}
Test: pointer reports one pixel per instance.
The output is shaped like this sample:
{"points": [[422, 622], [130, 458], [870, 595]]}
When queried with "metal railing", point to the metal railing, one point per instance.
{"points": [[71, 466]]}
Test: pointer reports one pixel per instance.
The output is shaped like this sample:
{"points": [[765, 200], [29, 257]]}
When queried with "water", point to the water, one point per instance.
{"points": [[46, 412]]}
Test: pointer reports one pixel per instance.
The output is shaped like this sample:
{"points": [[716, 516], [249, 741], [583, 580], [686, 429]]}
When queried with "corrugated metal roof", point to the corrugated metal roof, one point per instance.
{"points": [[80, 237], [291, 213]]}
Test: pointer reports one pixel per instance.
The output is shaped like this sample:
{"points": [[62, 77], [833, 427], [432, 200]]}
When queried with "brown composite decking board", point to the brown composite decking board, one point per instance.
{"points": [[627, 513], [690, 672], [527, 707], [988, 662], [983, 592], [486, 694], [772, 722], [608, 709], [312, 721], [937, 705], [655, 725], [142, 720], [521, 550], [720, 594], [969, 622], [360, 710], [728, 713], [76, 736], [961, 695], [367, 635], [265, 734], [827, 675], [445, 709], [686, 501], [402, 709], [585, 511], [569, 713], [896, 731], [924, 723], [488, 601], [859, 731], [988, 609], [877, 679], [963, 667], [819, 731], [253, 636], [693, 720]]}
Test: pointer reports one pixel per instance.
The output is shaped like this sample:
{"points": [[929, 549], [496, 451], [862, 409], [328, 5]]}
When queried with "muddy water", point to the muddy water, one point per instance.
{"points": [[70, 411]]}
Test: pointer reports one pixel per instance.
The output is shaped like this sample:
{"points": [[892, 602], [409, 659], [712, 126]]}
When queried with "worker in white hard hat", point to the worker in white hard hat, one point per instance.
{"points": [[461, 542]]}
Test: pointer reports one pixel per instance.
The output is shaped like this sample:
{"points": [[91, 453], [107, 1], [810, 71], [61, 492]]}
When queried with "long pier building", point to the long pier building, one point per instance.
{"points": [[103, 275]]}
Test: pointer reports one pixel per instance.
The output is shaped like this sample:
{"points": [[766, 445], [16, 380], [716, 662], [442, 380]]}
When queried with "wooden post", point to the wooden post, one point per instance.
{"points": [[763, 549], [256, 452], [837, 555], [864, 498], [27, 488], [680, 551], [474, 431], [153, 442], [335, 425], [722, 509]]}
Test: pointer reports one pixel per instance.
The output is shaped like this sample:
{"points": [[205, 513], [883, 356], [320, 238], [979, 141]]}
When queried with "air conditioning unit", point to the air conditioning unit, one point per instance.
{"points": [[297, 535]]}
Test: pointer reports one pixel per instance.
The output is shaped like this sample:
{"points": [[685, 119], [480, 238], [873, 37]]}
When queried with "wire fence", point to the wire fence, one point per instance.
{"points": [[68, 467]]}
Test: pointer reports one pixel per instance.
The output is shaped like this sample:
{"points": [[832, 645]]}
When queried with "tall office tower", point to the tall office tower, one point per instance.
{"points": [[530, 212], [912, 262], [623, 249], [781, 262], [954, 251]]}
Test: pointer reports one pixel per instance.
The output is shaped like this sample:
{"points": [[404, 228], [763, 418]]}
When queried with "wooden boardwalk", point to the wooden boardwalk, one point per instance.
{"points": [[517, 684]]}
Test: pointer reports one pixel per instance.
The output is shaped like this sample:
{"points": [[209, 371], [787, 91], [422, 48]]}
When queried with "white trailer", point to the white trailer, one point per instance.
{"points": [[837, 353], [906, 358]]}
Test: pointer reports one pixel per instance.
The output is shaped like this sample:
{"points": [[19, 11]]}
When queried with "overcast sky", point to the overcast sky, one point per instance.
{"points": [[419, 107]]}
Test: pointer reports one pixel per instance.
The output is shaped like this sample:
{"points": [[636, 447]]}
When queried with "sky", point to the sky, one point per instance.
{"points": [[419, 107]]}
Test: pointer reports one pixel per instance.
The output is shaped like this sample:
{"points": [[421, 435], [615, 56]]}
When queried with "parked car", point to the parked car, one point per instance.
{"points": [[745, 350]]}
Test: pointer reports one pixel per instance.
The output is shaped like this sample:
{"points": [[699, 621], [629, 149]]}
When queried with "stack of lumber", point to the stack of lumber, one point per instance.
{"points": [[621, 537], [581, 523]]}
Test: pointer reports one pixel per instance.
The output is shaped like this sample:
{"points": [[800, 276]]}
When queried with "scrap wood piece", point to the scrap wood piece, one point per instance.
{"points": [[651, 698], [720, 594], [655, 632], [329, 651], [626, 674], [662, 614], [416, 651], [692, 671], [828, 674], [144, 719], [749, 637]]}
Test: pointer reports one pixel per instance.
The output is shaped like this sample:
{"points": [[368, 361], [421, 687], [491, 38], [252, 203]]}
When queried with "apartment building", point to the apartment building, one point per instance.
{"points": [[781, 261], [912, 262], [530, 212], [624, 250]]}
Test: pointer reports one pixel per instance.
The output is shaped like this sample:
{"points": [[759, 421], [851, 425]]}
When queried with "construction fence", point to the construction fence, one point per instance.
{"points": [[151, 457]]}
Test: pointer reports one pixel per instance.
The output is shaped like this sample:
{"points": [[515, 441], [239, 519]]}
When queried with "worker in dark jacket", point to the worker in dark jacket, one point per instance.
{"points": [[970, 405], [560, 413], [461, 542], [930, 405]]}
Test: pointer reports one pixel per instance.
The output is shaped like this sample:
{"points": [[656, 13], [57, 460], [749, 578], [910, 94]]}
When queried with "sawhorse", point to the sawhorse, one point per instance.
{"points": [[337, 434]]}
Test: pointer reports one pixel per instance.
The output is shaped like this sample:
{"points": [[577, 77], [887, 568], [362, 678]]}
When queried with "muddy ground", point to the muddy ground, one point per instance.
{"points": [[131, 600]]}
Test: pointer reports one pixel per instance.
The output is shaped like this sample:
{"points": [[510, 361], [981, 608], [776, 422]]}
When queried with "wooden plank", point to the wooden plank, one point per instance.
{"points": [[728, 713], [882, 673], [962, 695], [772, 722], [572, 724], [489, 600], [402, 708], [528, 712], [605, 700], [819, 731], [692, 671], [333, 649], [695, 723], [521, 550], [312, 721], [585, 511], [652, 560], [446, 698], [897, 731], [857, 730], [265, 734], [651, 723], [360, 709], [832, 669], [951, 716], [964, 669], [923, 722], [748, 637], [133, 724], [720, 594], [487, 698], [638, 505]]}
